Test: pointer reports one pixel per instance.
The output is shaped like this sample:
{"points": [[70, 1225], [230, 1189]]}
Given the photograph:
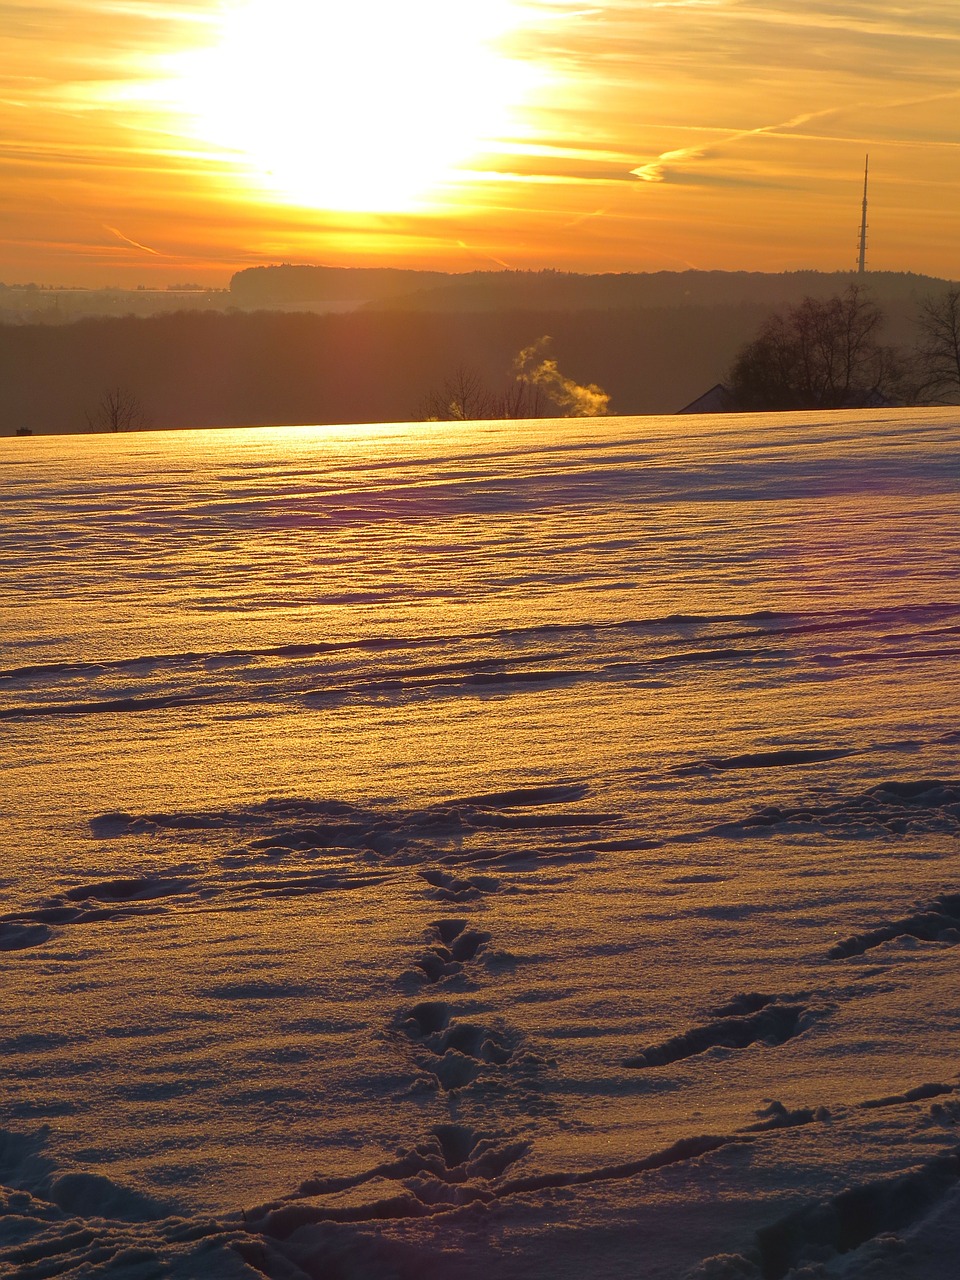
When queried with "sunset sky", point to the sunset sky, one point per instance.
{"points": [[156, 141]]}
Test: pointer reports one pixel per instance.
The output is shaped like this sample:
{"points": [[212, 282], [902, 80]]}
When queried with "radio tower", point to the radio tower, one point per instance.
{"points": [[863, 220]]}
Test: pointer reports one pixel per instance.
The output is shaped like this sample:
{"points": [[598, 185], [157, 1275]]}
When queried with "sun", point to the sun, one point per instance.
{"points": [[361, 105]]}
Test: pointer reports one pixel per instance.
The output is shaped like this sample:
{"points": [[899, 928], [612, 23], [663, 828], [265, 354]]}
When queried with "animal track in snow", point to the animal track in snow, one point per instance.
{"points": [[828, 1228], [893, 808], [17, 935], [774, 1024], [489, 828], [452, 945], [739, 1006], [765, 760], [937, 922], [119, 899], [86, 904], [456, 1166], [455, 1052], [451, 888], [918, 1094], [453, 1165], [777, 1116]]}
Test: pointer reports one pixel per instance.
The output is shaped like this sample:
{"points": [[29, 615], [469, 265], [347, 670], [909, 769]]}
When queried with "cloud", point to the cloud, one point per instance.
{"points": [[927, 22], [733, 181], [584, 218], [674, 94]]}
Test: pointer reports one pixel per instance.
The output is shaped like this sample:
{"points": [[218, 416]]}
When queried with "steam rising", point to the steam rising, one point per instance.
{"points": [[536, 369]]}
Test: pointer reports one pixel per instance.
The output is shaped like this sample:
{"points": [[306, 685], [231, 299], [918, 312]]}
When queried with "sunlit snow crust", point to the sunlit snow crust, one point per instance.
{"points": [[482, 851]]}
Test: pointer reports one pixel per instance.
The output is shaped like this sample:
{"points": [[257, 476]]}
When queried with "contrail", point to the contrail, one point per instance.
{"points": [[477, 253], [655, 170], [135, 243], [585, 217]]}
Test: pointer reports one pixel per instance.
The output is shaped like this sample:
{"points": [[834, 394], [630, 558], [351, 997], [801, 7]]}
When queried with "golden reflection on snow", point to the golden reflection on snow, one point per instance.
{"points": [[370, 788]]}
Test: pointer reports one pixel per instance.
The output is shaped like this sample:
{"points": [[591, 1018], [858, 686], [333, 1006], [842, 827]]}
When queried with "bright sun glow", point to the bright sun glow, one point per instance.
{"points": [[356, 104]]}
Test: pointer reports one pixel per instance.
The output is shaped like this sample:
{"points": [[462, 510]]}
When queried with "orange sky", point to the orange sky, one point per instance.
{"points": [[159, 141]]}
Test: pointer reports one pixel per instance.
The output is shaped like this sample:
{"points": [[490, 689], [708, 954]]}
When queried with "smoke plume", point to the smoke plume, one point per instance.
{"points": [[536, 369]]}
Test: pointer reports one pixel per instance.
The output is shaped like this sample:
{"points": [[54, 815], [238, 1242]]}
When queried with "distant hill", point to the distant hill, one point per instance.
{"points": [[379, 288], [286, 283], [561, 291], [285, 363]]}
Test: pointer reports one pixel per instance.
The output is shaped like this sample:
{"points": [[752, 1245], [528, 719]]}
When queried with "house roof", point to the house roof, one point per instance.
{"points": [[716, 400]]}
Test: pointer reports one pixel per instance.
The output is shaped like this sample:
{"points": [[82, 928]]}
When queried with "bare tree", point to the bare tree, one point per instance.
{"points": [[818, 355], [939, 350], [467, 398], [117, 410], [519, 399], [464, 397], [537, 389]]}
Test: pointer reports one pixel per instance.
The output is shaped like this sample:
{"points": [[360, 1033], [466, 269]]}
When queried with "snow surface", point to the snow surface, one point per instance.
{"points": [[482, 850]]}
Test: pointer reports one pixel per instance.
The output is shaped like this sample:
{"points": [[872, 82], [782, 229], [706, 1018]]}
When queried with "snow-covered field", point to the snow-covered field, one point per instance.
{"points": [[482, 851]]}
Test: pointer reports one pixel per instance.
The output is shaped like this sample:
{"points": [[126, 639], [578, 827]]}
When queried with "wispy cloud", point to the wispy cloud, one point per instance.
{"points": [[730, 115]]}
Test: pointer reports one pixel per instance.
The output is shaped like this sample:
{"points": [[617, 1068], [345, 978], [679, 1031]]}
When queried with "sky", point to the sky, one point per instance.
{"points": [[164, 141]]}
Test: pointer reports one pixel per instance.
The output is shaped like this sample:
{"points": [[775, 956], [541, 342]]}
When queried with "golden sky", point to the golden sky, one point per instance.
{"points": [[156, 141]]}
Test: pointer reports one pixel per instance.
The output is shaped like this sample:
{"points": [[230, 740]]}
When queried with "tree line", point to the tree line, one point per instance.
{"points": [[550, 290], [829, 354], [204, 369]]}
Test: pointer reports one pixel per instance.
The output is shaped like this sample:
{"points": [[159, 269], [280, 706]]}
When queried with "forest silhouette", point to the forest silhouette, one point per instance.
{"points": [[380, 361]]}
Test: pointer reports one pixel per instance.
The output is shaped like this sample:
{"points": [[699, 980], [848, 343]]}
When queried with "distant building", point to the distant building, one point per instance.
{"points": [[23, 431], [717, 400]]}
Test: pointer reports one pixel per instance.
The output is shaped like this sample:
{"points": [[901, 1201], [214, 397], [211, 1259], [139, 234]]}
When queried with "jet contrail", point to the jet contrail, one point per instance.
{"points": [[135, 243], [478, 253], [655, 170]]}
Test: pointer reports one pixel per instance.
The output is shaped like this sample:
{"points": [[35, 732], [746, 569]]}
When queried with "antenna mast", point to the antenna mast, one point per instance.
{"points": [[863, 220]]}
